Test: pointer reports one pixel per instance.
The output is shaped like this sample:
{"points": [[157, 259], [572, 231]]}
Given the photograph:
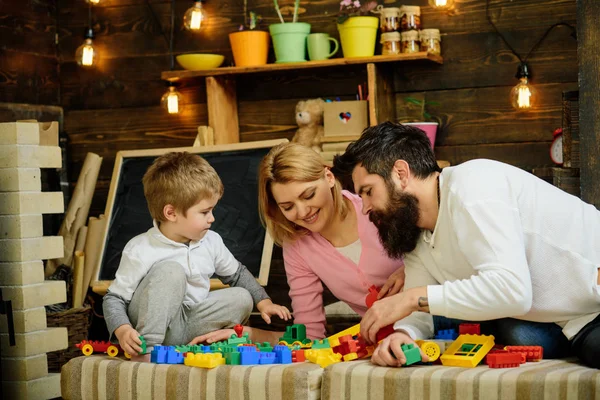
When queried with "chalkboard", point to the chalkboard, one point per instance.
{"points": [[236, 214]]}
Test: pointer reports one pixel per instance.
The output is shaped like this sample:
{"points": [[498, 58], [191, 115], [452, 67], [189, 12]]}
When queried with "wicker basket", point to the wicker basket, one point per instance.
{"points": [[77, 321]]}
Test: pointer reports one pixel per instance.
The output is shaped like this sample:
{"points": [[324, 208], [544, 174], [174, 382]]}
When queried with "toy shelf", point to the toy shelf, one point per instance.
{"points": [[221, 92]]}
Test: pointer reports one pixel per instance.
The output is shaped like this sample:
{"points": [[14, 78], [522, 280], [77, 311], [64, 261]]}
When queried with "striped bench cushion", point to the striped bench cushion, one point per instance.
{"points": [[548, 379], [101, 377]]}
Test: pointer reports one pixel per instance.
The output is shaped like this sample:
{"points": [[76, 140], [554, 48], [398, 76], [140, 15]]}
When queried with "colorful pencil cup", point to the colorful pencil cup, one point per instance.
{"points": [[250, 48]]}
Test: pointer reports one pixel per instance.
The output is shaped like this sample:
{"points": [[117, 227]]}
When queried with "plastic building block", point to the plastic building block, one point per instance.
{"points": [[384, 332], [174, 357], [239, 329], [321, 344], [239, 340], [352, 331], [532, 353], [347, 345], [209, 360], [88, 347], [264, 347], [503, 360], [298, 356], [431, 349], [467, 350], [372, 296], [294, 334], [350, 357], [412, 354], [143, 345], [283, 355], [446, 334], [159, 354], [232, 358], [267, 358], [469, 329], [323, 357], [248, 355]]}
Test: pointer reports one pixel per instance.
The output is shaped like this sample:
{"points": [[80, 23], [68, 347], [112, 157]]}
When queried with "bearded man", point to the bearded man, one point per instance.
{"points": [[481, 241]]}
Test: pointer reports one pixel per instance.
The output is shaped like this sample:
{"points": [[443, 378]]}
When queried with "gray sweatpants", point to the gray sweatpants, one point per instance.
{"points": [[157, 311]]}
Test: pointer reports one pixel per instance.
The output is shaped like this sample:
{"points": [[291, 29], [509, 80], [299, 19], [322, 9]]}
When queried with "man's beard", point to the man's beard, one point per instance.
{"points": [[397, 224]]}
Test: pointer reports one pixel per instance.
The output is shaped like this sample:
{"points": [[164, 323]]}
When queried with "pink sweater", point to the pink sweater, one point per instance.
{"points": [[311, 261]]}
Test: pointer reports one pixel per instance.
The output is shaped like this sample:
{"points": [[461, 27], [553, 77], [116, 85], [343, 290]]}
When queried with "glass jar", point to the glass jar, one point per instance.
{"points": [[431, 41], [410, 42], [410, 18], [390, 43], [390, 19]]}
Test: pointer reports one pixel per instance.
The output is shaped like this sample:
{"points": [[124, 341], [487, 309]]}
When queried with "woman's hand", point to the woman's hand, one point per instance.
{"points": [[267, 309], [129, 339], [393, 285]]}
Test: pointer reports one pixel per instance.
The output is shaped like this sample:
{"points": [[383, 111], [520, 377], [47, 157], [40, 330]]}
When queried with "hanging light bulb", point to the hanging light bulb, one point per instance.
{"points": [[93, 1], [522, 96], [194, 17], [86, 55], [171, 100], [441, 4]]}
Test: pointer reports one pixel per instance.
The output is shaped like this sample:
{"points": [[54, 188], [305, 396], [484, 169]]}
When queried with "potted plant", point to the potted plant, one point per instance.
{"points": [[415, 115], [250, 46], [358, 31], [289, 39]]}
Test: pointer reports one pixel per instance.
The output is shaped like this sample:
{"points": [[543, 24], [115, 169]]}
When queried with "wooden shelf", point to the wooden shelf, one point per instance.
{"points": [[177, 75]]}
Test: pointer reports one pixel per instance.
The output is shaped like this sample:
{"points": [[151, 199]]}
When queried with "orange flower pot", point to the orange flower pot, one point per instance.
{"points": [[250, 48]]}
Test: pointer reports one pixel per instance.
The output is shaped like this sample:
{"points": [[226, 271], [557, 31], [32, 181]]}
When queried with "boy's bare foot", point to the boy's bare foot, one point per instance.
{"points": [[141, 358]]}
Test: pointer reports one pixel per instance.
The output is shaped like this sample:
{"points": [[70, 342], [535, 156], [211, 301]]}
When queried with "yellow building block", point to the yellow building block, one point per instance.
{"points": [[47, 387], [34, 343], [19, 133], [334, 340], [431, 349], [30, 320], [23, 156], [20, 180], [37, 295], [31, 249], [31, 203], [467, 350], [21, 226], [22, 273], [322, 357], [206, 360], [24, 368]]}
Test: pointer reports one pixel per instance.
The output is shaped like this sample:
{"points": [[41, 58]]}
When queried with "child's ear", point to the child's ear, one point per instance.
{"points": [[170, 213]]}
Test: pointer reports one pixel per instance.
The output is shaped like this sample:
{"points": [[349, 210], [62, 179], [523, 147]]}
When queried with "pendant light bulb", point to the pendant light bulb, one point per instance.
{"points": [[195, 17], [523, 95], [86, 55], [171, 100], [441, 4], [93, 1]]}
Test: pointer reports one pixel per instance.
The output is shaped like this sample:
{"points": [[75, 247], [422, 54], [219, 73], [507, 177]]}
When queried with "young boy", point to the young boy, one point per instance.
{"points": [[161, 289]]}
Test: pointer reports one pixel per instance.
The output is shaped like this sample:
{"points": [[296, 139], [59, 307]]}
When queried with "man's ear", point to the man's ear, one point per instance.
{"points": [[170, 213], [401, 173]]}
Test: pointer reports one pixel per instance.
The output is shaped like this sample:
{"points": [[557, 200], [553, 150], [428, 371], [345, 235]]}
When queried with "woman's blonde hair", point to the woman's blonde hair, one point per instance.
{"points": [[181, 179], [285, 163]]}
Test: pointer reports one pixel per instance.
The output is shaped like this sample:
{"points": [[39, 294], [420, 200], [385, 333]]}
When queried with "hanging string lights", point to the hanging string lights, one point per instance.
{"points": [[195, 17], [86, 55]]}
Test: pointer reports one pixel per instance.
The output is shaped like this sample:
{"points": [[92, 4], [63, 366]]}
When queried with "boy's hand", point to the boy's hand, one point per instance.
{"points": [[129, 339], [389, 352], [267, 308], [215, 336]]}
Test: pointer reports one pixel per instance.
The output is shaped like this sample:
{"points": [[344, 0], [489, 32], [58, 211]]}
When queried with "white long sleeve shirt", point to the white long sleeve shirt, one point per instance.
{"points": [[506, 244]]}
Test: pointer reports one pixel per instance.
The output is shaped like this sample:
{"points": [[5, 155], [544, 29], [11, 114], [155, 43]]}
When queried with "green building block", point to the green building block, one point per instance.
{"points": [[233, 358], [412, 354], [321, 344], [294, 333], [143, 345], [234, 339], [264, 347]]}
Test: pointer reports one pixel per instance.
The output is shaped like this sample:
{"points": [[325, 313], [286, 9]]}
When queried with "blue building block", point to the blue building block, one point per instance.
{"points": [[173, 356], [283, 354], [248, 355], [207, 349], [266, 358], [446, 334], [159, 354]]}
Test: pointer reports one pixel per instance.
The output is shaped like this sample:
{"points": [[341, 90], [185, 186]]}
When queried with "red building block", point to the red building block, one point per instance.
{"points": [[531, 353], [298, 356], [469, 329], [503, 360]]}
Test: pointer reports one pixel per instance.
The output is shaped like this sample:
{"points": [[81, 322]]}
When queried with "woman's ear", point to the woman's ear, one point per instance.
{"points": [[170, 213], [401, 173], [329, 177]]}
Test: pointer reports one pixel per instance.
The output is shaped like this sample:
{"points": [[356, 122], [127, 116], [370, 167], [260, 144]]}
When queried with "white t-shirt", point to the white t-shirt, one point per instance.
{"points": [[200, 260], [506, 244]]}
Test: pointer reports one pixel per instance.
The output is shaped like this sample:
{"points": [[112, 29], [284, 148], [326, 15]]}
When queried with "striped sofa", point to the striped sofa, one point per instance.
{"points": [[100, 377]]}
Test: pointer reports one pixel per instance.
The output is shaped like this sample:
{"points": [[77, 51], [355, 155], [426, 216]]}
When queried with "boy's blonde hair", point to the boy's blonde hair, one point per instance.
{"points": [[181, 179], [285, 163]]}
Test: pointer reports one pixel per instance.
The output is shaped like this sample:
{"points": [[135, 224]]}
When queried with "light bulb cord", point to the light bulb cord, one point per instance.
{"points": [[535, 46], [168, 41]]}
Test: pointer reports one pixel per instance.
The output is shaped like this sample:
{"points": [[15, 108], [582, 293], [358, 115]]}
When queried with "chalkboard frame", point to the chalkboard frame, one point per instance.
{"points": [[101, 286]]}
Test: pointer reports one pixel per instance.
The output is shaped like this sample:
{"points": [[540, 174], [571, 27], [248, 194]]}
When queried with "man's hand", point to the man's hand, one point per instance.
{"points": [[389, 352], [267, 308], [393, 285], [129, 339], [216, 336], [389, 310]]}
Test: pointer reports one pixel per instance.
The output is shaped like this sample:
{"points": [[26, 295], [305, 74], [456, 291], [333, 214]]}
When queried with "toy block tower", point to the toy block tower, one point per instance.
{"points": [[25, 148]]}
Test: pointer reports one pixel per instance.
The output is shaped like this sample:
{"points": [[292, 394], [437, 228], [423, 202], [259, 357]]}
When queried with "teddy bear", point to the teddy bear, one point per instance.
{"points": [[309, 117]]}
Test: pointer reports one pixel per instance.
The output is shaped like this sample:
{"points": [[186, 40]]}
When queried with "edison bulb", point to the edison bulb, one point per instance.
{"points": [[86, 55], [171, 100], [93, 1], [523, 95], [195, 17], [441, 4]]}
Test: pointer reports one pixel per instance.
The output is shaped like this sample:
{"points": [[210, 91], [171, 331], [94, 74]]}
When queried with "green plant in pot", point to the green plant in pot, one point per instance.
{"points": [[358, 29], [289, 39], [250, 46], [416, 115]]}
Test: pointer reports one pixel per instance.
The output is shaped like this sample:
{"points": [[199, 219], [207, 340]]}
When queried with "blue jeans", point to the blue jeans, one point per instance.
{"points": [[510, 331]]}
